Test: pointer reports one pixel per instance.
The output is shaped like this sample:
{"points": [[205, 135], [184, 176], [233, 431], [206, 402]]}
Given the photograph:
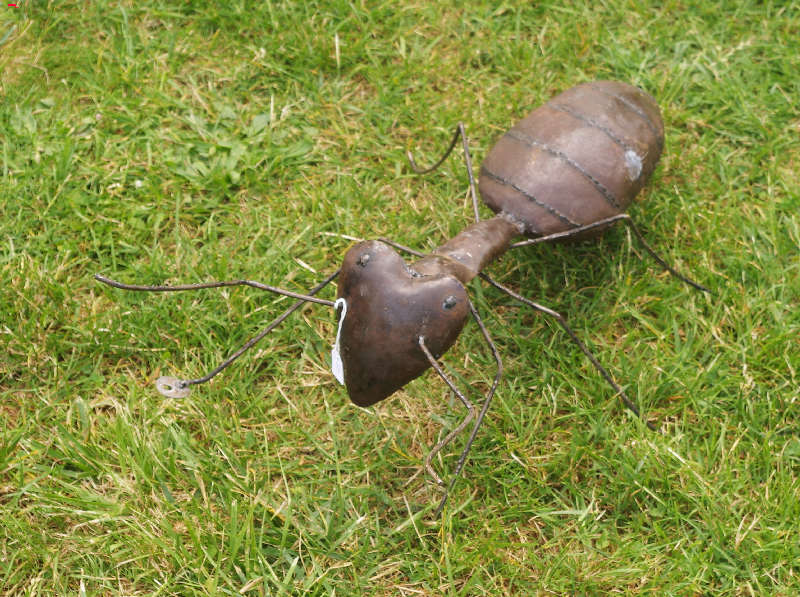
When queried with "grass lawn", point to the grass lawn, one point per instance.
{"points": [[182, 141]]}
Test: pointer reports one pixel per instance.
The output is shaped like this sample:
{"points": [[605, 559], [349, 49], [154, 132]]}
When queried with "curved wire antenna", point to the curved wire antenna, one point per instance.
{"points": [[179, 388], [460, 130], [626, 218], [215, 284], [589, 355]]}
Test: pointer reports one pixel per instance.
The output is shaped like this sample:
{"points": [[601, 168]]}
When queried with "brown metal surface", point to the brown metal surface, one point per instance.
{"points": [[389, 306], [472, 249], [580, 158]]}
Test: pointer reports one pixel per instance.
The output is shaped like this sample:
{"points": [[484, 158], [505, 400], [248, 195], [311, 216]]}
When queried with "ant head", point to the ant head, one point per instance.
{"points": [[389, 308]]}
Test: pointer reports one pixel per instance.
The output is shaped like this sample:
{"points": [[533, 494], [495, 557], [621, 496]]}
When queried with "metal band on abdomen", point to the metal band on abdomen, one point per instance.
{"points": [[634, 108], [546, 206], [592, 123], [530, 141]]}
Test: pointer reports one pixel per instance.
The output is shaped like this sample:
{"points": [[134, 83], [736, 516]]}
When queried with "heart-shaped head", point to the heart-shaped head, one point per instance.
{"points": [[389, 306]]}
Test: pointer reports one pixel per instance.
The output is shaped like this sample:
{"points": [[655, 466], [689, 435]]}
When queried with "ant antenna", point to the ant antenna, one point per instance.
{"points": [[172, 387]]}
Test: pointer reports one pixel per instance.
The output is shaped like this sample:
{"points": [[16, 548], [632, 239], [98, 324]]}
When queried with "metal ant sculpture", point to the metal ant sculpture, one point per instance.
{"points": [[567, 170]]}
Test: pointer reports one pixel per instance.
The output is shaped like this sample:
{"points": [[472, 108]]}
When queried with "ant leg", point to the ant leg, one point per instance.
{"points": [[404, 248], [589, 355], [467, 161], [179, 388], [464, 400], [486, 402], [606, 222]]}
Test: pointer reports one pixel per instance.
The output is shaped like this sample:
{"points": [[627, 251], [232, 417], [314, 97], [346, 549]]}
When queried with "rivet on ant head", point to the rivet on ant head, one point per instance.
{"points": [[449, 302], [362, 261]]}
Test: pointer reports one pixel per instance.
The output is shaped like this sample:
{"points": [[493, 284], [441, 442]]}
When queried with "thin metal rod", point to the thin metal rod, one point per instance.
{"points": [[460, 130], [467, 404], [250, 343], [216, 284], [626, 218], [468, 161], [563, 323], [487, 401], [184, 383], [391, 243], [420, 170]]}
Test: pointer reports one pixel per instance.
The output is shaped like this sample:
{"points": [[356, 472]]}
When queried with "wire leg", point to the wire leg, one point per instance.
{"points": [[404, 248], [589, 355], [179, 388], [460, 130], [467, 404], [486, 402], [606, 222], [441, 160]]}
